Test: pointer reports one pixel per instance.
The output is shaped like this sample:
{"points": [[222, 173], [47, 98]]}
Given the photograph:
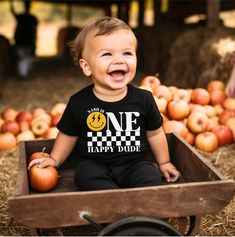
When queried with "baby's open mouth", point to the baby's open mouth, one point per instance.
{"points": [[118, 74]]}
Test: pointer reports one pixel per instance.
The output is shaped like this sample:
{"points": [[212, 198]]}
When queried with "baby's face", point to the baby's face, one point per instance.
{"points": [[110, 60]]}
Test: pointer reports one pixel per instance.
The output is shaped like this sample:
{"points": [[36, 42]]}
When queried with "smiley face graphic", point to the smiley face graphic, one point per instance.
{"points": [[96, 121]]}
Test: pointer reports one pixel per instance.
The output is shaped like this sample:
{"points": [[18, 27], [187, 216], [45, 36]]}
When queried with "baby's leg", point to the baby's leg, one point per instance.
{"points": [[143, 174], [93, 175]]}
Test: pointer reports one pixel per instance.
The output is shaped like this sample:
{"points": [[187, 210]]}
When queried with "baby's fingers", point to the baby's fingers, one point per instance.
{"points": [[41, 162], [174, 175], [167, 176]]}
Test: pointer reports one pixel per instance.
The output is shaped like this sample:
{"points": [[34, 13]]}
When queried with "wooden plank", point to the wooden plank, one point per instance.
{"points": [[213, 10], [65, 209], [35, 146], [205, 192], [65, 183], [22, 187], [193, 166]]}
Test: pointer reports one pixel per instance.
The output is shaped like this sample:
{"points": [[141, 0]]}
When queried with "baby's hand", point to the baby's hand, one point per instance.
{"points": [[43, 162], [169, 171]]}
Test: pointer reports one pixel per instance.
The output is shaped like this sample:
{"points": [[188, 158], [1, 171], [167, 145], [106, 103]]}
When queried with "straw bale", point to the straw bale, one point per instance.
{"points": [[194, 61]]}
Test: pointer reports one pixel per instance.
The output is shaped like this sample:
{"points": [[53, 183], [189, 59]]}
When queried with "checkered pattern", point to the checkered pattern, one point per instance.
{"points": [[108, 138]]}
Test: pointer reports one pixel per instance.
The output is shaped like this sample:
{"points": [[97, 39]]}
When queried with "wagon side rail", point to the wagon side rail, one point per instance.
{"points": [[190, 162], [174, 200]]}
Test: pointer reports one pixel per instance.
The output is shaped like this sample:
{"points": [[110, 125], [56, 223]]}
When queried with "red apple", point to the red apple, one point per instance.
{"points": [[162, 91], [182, 94], [7, 141], [178, 110], [24, 116], [43, 179], [37, 155], [231, 124], [225, 115], [230, 121], [173, 89], [210, 111], [190, 137], [161, 104], [200, 96], [24, 126], [229, 103], [190, 90], [51, 133], [57, 108], [206, 141], [176, 127], [224, 134], [9, 114], [215, 85], [165, 118], [25, 136], [10, 126], [55, 119], [217, 97], [38, 111], [150, 81], [197, 122], [212, 123], [197, 108], [219, 109], [39, 127], [1, 122], [43, 116]]}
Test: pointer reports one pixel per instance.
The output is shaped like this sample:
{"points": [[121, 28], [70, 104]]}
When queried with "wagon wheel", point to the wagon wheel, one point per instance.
{"points": [[187, 225], [139, 226]]}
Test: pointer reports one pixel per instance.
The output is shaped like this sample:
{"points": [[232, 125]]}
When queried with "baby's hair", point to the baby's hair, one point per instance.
{"points": [[102, 26]]}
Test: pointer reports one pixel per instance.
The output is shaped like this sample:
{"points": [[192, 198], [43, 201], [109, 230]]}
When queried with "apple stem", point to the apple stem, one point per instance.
{"points": [[43, 150]]}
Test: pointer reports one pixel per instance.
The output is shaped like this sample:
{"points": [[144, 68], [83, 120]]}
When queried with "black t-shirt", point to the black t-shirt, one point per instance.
{"points": [[113, 132]]}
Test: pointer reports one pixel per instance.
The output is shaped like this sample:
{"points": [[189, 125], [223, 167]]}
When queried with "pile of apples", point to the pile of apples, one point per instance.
{"points": [[204, 117], [16, 126]]}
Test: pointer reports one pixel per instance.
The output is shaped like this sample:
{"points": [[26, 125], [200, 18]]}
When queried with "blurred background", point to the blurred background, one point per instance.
{"points": [[185, 42]]}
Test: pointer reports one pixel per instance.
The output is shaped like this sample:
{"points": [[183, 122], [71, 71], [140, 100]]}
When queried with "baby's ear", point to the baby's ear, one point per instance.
{"points": [[85, 67]]}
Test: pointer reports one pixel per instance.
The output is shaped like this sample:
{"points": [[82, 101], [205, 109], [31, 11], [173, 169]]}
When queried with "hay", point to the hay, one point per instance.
{"points": [[224, 222], [46, 89], [221, 224], [202, 63], [8, 172]]}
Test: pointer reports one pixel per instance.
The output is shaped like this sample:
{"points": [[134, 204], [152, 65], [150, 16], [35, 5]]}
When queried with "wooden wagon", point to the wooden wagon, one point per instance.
{"points": [[201, 190]]}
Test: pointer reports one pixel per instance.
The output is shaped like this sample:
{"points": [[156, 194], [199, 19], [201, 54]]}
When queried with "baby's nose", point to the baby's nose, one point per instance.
{"points": [[119, 59]]}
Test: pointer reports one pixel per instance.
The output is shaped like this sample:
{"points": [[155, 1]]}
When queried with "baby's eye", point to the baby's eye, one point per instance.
{"points": [[106, 54], [128, 53]]}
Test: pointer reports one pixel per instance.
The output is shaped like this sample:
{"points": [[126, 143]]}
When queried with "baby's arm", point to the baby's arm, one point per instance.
{"points": [[158, 143], [62, 147]]}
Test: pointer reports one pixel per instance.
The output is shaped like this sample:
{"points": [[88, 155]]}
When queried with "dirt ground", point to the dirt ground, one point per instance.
{"points": [[48, 88]]}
